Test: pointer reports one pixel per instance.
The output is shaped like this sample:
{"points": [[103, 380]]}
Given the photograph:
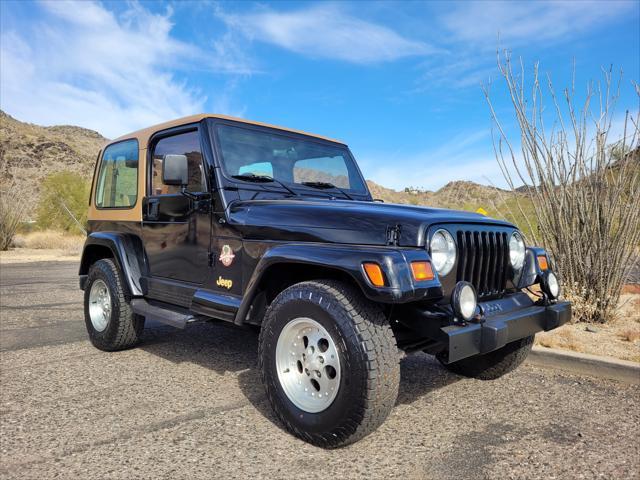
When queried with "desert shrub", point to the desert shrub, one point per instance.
{"points": [[11, 214], [69, 242], [63, 202], [584, 184], [630, 334], [11, 208]]}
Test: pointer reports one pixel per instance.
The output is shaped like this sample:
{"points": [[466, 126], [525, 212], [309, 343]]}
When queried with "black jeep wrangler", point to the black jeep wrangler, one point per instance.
{"points": [[215, 218]]}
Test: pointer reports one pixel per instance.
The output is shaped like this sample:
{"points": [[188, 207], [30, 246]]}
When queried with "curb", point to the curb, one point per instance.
{"points": [[585, 364]]}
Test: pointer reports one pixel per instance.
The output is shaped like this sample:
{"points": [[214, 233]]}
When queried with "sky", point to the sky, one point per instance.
{"points": [[400, 82]]}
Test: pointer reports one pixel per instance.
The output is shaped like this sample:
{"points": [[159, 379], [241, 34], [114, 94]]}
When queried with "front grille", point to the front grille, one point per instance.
{"points": [[483, 260]]}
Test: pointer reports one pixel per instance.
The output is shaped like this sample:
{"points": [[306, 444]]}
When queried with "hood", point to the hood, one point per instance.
{"points": [[343, 221]]}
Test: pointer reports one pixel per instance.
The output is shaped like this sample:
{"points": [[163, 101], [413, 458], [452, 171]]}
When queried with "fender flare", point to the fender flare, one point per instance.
{"points": [[348, 259], [127, 251]]}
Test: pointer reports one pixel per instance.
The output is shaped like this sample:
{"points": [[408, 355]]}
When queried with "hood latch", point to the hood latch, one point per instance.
{"points": [[393, 235]]}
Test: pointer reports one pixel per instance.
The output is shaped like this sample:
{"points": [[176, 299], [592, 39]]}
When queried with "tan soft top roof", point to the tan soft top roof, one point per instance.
{"points": [[144, 134]]}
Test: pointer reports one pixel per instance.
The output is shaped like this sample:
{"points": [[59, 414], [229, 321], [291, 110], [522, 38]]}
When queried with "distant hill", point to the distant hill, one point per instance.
{"points": [[458, 194], [28, 153]]}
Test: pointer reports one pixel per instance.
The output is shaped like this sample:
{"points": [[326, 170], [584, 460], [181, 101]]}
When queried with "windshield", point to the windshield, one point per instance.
{"points": [[287, 159]]}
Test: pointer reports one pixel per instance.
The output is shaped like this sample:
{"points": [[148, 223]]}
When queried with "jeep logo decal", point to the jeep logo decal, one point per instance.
{"points": [[224, 282]]}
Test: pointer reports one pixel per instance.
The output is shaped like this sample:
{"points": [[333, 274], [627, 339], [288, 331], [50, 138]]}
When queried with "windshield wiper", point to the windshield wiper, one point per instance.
{"points": [[325, 185], [252, 177]]}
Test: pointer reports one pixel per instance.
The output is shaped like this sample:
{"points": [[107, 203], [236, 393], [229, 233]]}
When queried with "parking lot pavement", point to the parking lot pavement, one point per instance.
{"points": [[190, 404]]}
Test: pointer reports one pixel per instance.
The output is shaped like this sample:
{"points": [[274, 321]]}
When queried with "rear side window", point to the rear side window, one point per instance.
{"points": [[117, 185]]}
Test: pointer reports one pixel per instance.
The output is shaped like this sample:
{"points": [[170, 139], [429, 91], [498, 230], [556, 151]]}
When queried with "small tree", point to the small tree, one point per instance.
{"points": [[585, 185], [63, 202], [11, 213], [11, 208]]}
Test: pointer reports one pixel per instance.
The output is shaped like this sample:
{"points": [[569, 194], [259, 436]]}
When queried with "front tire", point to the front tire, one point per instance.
{"points": [[493, 365], [109, 319], [329, 363]]}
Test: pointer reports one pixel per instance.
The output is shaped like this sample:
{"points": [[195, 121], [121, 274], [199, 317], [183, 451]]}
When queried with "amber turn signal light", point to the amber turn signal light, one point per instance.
{"points": [[542, 263], [422, 271], [374, 273]]}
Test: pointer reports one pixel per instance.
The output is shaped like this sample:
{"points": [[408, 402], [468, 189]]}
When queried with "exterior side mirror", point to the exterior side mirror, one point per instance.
{"points": [[175, 170]]}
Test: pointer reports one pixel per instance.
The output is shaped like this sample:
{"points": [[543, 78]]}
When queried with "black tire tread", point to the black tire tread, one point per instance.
{"points": [[129, 326], [373, 332], [495, 364]]}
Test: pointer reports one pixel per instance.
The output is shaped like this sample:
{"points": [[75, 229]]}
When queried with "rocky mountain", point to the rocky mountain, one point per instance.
{"points": [[514, 206], [459, 194], [28, 153]]}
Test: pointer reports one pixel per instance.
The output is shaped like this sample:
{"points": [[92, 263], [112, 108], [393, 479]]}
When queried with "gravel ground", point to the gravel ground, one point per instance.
{"points": [[189, 404]]}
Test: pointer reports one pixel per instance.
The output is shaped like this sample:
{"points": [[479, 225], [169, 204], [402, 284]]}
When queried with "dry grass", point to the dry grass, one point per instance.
{"points": [[630, 334], [564, 338], [68, 244], [619, 338]]}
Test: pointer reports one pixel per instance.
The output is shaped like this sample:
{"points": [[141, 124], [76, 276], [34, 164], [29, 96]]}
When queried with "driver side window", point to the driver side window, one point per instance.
{"points": [[187, 144]]}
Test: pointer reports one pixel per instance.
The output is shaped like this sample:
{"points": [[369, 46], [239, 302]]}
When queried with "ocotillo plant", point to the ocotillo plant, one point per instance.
{"points": [[581, 163]]}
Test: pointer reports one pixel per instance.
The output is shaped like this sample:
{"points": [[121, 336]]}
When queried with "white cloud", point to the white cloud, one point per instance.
{"points": [[326, 31], [517, 23], [85, 66], [482, 170], [472, 31], [453, 73]]}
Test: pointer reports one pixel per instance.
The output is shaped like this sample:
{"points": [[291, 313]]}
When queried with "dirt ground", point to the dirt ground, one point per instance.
{"points": [[190, 404], [28, 255], [620, 339]]}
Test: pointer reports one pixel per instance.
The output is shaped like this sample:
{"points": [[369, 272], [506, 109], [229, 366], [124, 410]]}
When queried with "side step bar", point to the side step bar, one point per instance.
{"points": [[163, 315]]}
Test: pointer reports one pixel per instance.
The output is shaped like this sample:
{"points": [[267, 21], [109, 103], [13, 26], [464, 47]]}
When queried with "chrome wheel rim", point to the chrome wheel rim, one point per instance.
{"points": [[308, 365], [99, 305]]}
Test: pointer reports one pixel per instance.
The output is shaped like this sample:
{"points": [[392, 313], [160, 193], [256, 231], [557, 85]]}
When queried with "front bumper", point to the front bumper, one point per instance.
{"points": [[496, 330]]}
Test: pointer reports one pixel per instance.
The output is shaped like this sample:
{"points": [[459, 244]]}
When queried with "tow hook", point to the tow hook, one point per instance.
{"points": [[480, 317], [545, 301]]}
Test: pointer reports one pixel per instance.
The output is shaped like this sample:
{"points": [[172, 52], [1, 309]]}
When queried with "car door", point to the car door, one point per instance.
{"points": [[177, 228]]}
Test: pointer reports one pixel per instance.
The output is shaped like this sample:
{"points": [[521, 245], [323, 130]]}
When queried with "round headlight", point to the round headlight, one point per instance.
{"points": [[443, 251], [551, 286], [516, 250], [464, 301]]}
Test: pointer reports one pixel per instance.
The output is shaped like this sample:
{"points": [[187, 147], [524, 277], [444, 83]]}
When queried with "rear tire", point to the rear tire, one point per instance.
{"points": [[494, 364], [362, 388], [110, 322]]}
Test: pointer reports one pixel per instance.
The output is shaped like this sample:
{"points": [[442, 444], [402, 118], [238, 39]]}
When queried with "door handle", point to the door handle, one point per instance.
{"points": [[153, 206]]}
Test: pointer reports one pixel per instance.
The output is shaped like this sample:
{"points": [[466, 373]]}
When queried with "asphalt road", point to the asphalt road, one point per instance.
{"points": [[190, 404]]}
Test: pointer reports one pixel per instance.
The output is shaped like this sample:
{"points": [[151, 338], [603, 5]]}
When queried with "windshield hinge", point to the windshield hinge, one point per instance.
{"points": [[393, 235]]}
